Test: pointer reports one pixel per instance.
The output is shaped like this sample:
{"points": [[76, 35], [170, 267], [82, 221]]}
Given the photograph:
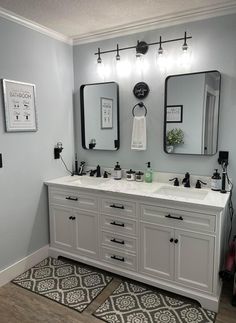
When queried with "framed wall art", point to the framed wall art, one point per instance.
{"points": [[19, 105], [174, 113], [106, 113]]}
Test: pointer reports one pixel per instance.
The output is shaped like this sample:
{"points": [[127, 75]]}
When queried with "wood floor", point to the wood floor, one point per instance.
{"points": [[20, 305]]}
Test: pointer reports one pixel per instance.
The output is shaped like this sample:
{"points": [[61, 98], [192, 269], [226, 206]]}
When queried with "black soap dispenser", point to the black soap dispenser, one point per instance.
{"points": [[216, 181]]}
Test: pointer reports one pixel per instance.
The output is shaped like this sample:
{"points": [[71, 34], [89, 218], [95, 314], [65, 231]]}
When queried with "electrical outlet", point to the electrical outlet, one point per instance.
{"points": [[223, 157], [0, 160], [58, 150]]}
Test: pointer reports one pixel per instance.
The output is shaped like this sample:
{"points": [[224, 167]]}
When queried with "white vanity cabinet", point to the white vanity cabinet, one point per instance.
{"points": [[173, 245], [178, 246], [74, 222]]}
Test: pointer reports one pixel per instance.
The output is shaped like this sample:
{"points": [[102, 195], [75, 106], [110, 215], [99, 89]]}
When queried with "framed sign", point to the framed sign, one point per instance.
{"points": [[19, 105], [174, 113], [106, 113]]}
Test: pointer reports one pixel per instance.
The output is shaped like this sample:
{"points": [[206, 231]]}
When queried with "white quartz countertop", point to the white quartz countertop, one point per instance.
{"points": [[156, 190]]}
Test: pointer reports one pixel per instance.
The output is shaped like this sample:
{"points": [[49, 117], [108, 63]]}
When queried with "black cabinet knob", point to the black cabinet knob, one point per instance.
{"points": [[171, 240], [176, 240]]}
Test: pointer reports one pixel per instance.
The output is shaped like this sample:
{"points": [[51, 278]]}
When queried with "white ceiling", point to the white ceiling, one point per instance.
{"points": [[81, 19]]}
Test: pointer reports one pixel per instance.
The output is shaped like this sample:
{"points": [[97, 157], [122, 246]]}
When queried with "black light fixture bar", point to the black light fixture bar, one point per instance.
{"points": [[149, 44]]}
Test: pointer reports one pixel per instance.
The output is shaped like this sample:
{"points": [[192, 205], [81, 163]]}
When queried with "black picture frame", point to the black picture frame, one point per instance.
{"points": [[174, 113]]}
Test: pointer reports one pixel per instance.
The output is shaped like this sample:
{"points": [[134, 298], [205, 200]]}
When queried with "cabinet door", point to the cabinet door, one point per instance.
{"points": [[157, 250], [194, 254], [86, 236], [61, 227]]}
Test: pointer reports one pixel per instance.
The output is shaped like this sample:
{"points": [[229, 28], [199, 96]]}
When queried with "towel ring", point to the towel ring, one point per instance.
{"points": [[141, 105]]}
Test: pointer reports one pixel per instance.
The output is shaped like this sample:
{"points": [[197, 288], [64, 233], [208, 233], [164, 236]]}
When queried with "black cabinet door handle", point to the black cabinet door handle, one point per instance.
{"points": [[171, 240], [117, 223], [72, 198], [70, 217], [117, 206], [118, 258], [169, 216], [176, 240], [117, 241]]}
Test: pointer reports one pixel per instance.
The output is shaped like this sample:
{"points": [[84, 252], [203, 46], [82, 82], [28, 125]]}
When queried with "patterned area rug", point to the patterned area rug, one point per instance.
{"points": [[71, 284], [131, 303]]}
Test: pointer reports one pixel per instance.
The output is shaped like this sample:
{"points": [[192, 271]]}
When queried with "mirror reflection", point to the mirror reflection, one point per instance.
{"points": [[192, 113], [100, 116]]}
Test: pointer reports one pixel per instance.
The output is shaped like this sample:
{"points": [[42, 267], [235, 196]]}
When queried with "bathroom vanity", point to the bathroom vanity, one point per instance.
{"points": [[169, 237]]}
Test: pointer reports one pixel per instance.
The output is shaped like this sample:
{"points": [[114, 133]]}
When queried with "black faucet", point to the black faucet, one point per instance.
{"points": [[96, 171], [176, 181], [186, 180], [199, 183], [105, 174]]}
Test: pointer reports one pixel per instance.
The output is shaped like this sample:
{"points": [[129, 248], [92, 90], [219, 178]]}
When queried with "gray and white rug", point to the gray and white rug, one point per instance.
{"points": [[131, 303], [68, 283]]}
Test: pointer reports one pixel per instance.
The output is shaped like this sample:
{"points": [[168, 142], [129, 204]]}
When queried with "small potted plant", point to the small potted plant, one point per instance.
{"points": [[174, 137]]}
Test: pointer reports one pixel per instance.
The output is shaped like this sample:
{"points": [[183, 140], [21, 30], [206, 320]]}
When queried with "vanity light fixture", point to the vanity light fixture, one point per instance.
{"points": [[142, 47], [117, 53], [185, 45], [161, 57], [99, 60], [185, 58], [160, 50]]}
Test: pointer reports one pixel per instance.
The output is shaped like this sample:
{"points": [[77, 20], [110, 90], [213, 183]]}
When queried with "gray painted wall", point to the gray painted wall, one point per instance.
{"points": [[28, 56], [213, 47]]}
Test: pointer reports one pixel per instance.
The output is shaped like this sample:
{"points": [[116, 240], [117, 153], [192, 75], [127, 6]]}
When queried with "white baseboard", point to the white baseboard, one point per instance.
{"points": [[11, 272]]}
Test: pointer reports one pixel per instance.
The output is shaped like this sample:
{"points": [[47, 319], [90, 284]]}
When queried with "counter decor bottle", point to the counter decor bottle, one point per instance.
{"points": [[117, 171], [216, 181], [148, 173]]}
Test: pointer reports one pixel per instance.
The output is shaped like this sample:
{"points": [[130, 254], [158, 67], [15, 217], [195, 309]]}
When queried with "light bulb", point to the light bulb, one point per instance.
{"points": [[162, 59], [103, 70], [185, 57], [123, 68], [141, 64]]}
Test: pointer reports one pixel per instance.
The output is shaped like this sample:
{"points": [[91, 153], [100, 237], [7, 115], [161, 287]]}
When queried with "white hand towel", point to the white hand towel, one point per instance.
{"points": [[139, 136]]}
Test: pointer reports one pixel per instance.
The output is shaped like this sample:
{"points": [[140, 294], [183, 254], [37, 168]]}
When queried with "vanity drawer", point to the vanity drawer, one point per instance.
{"points": [[119, 207], [119, 258], [178, 218], [117, 241], [74, 198], [119, 225]]}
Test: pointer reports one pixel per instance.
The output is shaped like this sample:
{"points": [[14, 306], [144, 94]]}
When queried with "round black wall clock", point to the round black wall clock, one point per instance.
{"points": [[141, 90]]}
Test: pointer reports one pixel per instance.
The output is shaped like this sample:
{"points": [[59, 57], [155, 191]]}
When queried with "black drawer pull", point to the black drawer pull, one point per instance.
{"points": [[117, 223], [117, 241], [117, 206], [72, 198], [118, 258], [72, 218], [174, 217]]}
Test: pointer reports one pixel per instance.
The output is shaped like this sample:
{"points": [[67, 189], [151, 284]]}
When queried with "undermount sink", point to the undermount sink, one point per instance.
{"points": [[182, 192], [87, 180]]}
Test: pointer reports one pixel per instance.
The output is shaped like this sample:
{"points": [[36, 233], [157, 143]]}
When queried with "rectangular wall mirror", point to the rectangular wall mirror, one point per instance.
{"points": [[100, 116], [192, 113]]}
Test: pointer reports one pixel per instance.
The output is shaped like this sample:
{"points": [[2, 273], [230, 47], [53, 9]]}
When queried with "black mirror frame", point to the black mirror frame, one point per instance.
{"points": [[165, 106], [82, 117]]}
